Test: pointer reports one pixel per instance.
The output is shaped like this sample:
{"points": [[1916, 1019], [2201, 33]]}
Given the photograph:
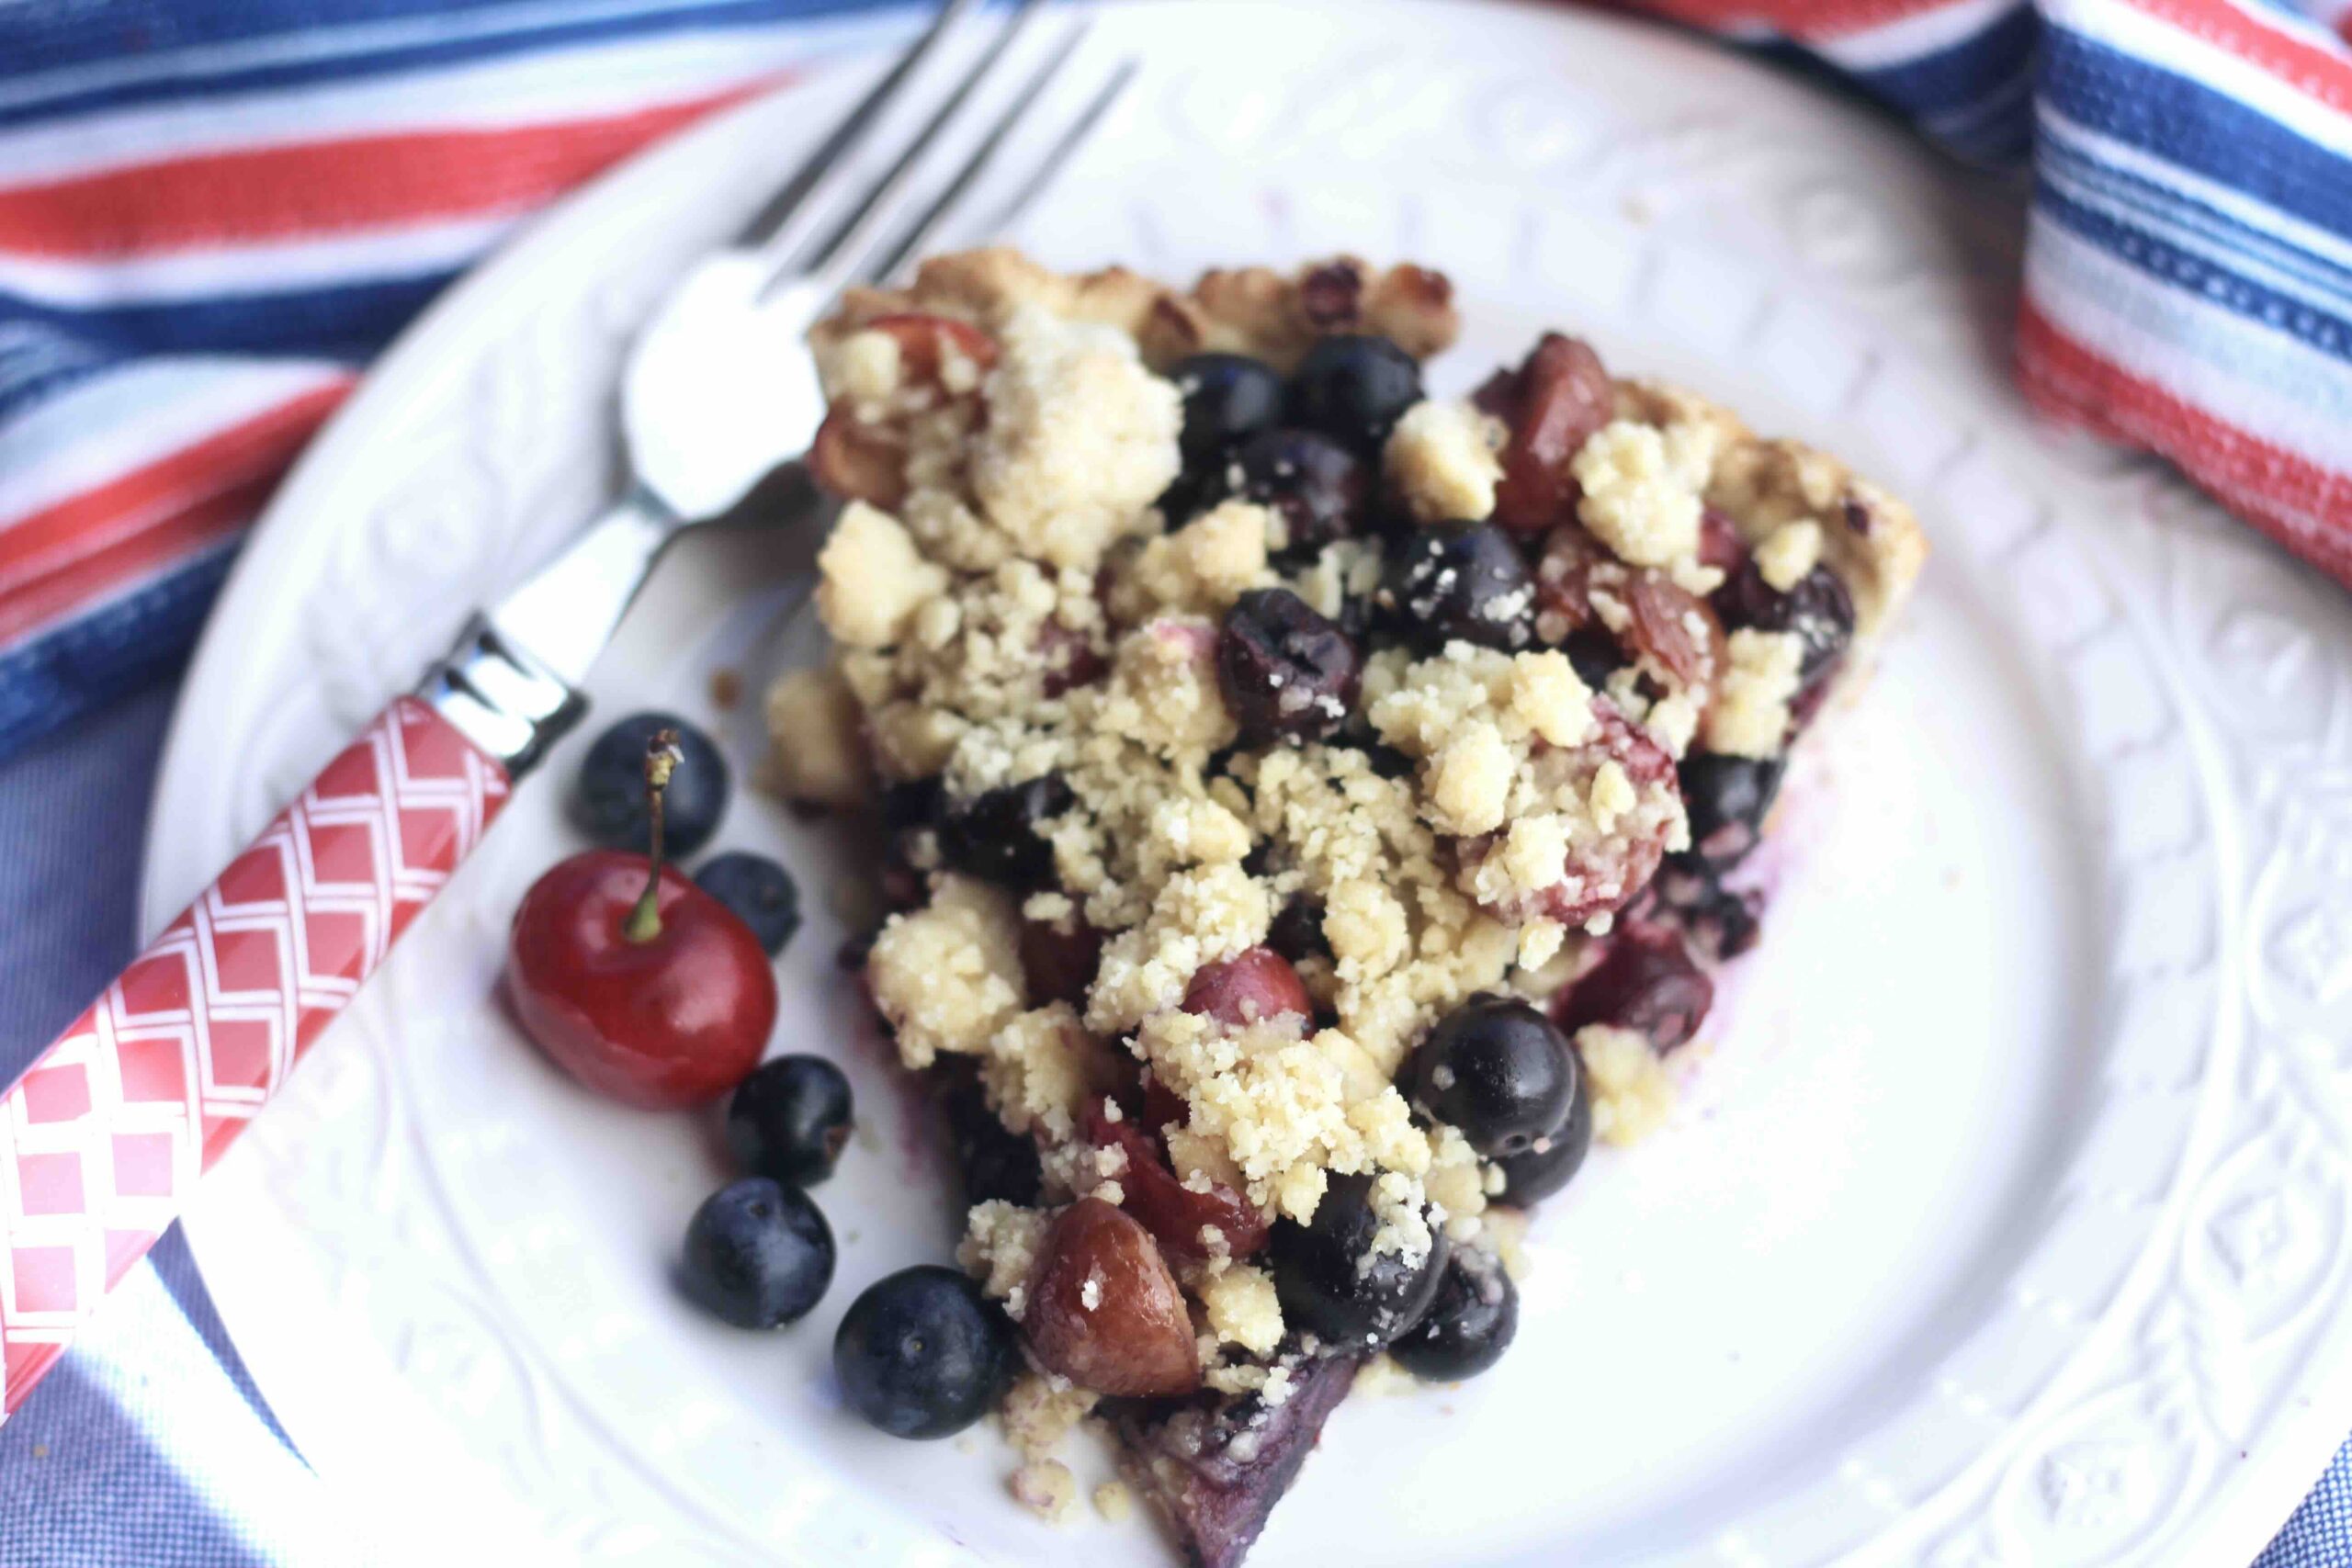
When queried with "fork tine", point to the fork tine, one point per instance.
{"points": [[1058, 154], [792, 202], [834, 261], [943, 206]]}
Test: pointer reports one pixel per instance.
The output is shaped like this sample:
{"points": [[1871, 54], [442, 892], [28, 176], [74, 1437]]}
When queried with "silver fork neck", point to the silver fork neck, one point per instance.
{"points": [[510, 684], [500, 698]]}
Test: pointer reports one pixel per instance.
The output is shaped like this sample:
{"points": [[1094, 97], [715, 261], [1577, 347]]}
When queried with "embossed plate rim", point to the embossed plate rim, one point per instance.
{"points": [[408, 372]]}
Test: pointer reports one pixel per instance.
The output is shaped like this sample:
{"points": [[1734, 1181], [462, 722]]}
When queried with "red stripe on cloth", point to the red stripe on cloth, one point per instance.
{"points": [[2305, 507], [165, 541], [324, 188], [1815, 19], [2317, 70], [58, 538]]}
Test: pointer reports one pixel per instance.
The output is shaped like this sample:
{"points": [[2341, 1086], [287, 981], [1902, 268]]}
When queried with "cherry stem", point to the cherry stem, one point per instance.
{"points": [[661, 759]]}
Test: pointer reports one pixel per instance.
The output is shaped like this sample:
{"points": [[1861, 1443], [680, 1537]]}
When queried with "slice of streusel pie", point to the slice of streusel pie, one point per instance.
{"points": [[1315, 810]]}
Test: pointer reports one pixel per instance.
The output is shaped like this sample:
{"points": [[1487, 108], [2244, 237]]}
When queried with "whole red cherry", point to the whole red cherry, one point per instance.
{"points": [[634, 980]]}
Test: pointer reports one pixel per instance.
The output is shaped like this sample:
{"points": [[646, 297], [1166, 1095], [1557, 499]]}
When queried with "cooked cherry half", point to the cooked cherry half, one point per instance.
{"points": [[1552, 404], [1253, 985], [1647, 983], [1103, 1310], [1177, 1215]]}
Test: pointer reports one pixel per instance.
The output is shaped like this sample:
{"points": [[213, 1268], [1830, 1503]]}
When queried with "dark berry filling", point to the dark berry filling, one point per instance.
{"points": [[1288, 674], [1353, 387], [1312, 482], [1647, 982], [999, 836]]}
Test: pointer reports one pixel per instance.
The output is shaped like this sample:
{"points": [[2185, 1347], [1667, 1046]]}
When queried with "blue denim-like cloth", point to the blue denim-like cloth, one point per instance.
{"points": [[149, 1447]]}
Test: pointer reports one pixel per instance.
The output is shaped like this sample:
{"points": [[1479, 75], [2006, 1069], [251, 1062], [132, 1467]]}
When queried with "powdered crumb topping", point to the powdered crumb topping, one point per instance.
{"points": [[1080, 438], [1751, 714], [1642, 489], [1441, 458]]}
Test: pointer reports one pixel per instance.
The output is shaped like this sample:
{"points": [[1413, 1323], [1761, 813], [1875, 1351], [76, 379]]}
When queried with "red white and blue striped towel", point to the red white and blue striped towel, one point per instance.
{"points": [[213, 212]]}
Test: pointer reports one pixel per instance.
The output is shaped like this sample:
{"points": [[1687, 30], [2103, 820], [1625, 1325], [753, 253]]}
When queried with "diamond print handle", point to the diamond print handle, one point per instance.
{"points": [[106, 1134]]}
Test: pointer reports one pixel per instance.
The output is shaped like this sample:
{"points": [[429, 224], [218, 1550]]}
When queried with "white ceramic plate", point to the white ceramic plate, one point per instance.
{"points": [[2007, 1223]]}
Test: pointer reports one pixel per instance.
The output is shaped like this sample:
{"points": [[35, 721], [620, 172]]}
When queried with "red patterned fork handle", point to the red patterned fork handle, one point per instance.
{"points": [[104, 1136]]}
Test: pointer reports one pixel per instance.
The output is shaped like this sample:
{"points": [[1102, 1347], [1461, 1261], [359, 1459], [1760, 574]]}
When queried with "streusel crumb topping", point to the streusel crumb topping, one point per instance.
{"points": [[1222, 762]]}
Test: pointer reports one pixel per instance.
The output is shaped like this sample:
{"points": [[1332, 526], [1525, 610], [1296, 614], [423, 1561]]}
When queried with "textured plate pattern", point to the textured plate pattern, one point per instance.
{"points": [[2141, 1368]]}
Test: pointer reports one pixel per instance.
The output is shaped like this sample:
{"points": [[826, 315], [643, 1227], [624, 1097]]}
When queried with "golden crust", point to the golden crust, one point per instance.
{"points": [[1868, 538], [1275, 316]]}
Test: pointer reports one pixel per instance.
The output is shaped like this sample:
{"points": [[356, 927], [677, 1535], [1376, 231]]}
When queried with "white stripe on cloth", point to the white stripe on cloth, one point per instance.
{"points": [[2285, 231], [348, 41], [406, 248], [2160, 43], [2162, 216], [2260, 381], [1913, 37], [123, 419], [578, 82]]}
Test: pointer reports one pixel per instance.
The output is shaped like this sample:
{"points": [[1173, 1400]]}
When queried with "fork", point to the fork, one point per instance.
{"points": [[103, 1136]]}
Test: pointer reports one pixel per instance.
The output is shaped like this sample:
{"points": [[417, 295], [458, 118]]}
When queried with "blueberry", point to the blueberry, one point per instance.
{"points": [[1497, 1069], [758, 1254], [789, 1120], [995, 836], [922, 1353], [1354, 387], [1595, 655], [913, 804], [1194, 491], [1315, 484], [1297, 932], [1469, 1326], [1722, 923], [761, 892], [1727, 798], [1228, 399], [1548, 1164], [1816, 607], [1647, 982], [1288, 674], [1333, 1284], [1460, 581], [995, 1163], [609, 801]]}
